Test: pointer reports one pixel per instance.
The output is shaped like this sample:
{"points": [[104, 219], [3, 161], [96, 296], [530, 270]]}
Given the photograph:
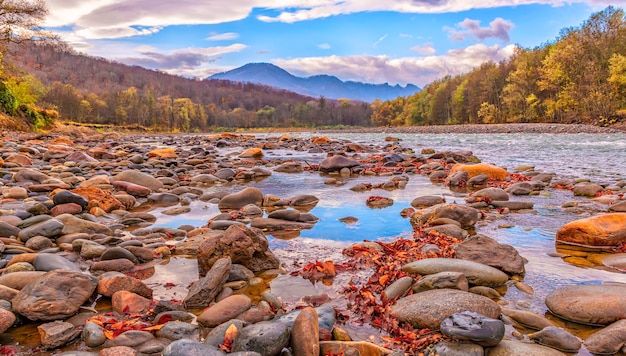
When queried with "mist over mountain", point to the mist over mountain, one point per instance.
{"points": [[318, 85]]}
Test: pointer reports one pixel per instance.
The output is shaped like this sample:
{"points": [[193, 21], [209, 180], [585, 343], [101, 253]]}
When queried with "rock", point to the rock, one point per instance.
{"points": [[517, 348], [345, 347], [118, 351], [476, 273], [457, 349], [204, 179], [266, 338], [451, 280], [55, 295], [203, 291], [118, 252], [618, 207], [473, 170], [521, 188], [268, 224], [19, 159], [325, 314], [245, 246], [557, 338], [398, 288], [124, 302], [97, 197], [224, 310], [477, 181], [216, 336], [253, 152], [162, 153], [132, 338], [73, 224], [600, 230], [119, 265], [65, 197], [589, 304], [608, 340], [69, 208], [513, 205], [50, 262], [587, 189], [57, 333], [79, 157], [336, 163], [7, 319], [457, 179], [465, 215], [30, 175], [485, 250], [7, 230], [305, 333], [306, 200], [132, 188], [189, 347], [490, 194], [449, 230], [427, 201], [18, 193], [93, 335], [290, 167], [176, 330], [428, 309], [238, 200], [19, 267], [48, 228], [474, 327], [284, 214], [109, 285], [527, 319], [139, 178], [18, 280]]}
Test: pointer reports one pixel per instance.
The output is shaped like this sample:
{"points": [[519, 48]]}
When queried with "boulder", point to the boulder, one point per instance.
{"points": [[608, 340], [73, 224], [473, 170], [203, 291], [240, 199], [485, 250], [139, 178], [57, 333], [224, 310], [473, 327], [557, 338], [305, 333], [253, 152], [488, 194], [476, 273], [55, 295], [336, 163], [245, 246], [601, 230], [266, 338], [465, 215], [589, 304], [427, 201], [428, 309]]}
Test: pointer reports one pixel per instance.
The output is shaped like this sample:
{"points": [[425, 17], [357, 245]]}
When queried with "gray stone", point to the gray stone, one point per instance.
{"points": [[176, 330], [217, 334], [608, 340], [427, 200], [487, 251], [49, 228], [56, 333], [266, 338], [93, 335], [336, 163], [517, 348], [187, 347], [203, 291], [474, 327], [240, 199], [558, 338], [452, 280], [398, 288], [457, 349], [476, 273], [50, 262], [325, 313]]}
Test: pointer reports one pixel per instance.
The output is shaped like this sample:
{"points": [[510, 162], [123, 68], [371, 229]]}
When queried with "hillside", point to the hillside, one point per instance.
{"points": [[95, 90], [316, 86]]}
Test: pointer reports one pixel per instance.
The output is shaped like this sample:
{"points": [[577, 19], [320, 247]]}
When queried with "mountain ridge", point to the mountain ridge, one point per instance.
{"points": [[319, 85]]}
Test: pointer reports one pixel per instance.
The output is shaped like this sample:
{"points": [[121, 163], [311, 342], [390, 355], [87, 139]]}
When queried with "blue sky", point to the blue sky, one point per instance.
{"points": [[376, 41]]}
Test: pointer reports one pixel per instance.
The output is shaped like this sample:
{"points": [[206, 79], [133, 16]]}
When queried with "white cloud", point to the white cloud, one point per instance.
{"points": [[222, 36], [323, 46], [426, 49], [382, 38], [498, 28], [180, 59], [415, 70]]}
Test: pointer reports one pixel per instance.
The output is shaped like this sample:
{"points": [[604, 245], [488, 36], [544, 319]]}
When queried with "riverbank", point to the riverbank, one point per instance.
{"points": [[492, 128]]}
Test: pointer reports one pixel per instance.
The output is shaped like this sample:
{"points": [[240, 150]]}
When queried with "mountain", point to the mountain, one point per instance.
{"points": [[318, 85]]}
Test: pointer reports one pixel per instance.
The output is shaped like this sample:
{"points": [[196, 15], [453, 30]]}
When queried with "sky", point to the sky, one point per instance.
{"points": [[373, 41]]}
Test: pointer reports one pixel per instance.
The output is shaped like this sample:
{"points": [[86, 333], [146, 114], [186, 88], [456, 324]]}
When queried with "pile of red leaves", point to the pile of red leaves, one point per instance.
{"points": [[317, 271], [366, 302], [513, 178], [114, 325]]}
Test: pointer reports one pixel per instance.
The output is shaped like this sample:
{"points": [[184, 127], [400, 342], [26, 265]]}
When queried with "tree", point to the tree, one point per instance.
{"points": [[21, 20]]}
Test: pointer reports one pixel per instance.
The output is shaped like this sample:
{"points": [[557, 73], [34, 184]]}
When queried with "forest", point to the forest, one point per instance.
{"points": [[580, 77]]}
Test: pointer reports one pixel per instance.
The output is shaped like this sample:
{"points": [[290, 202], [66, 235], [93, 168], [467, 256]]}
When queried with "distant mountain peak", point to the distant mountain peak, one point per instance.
{"points": [[324, 85]]}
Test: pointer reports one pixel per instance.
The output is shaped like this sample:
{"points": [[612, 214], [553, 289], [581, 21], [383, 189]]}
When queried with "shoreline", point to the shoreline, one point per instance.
{"points": [[512, 128]]}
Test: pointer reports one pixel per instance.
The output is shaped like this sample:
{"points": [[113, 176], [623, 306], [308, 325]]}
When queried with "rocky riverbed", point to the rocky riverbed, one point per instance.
{"points": [[168, 244]]}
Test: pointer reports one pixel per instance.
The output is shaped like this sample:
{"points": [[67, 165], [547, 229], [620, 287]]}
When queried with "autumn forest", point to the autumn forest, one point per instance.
{"points": [[580, 77]]}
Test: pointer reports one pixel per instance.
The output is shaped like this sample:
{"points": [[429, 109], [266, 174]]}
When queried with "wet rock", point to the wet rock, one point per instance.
{"points": [[131, 338], [189, 347], [284, 214], [109, 285], [69, 208], [203, 291], [248, 247], [473, 170], [55, 295], [474, 327], [240, 199], [305, 200], [352, 348], [268, 224], [521, 188], [49, 228], [336, 163], [162, 153], [476, 273], [428, 309], [7, 319], [224, 310], [114, 253], [139, 178], [513, 205], [587, 189], [491, 194], [618, 207], [50, 262], [119, 265], [65, 197], [266, 338], [217, 334], [132, 188], [176, 330], [57, 333], [253, 152], [517, 348], [290, 167], [449, 230], [451, 280], [557, 338], [124, 302], [600, 230], [97, 197], [527, 318], [118, 351], [19, 267], [73, 224], [30, 175], [305, 333], [7, 230], [326, 317], [457, 179], [93, 335], [427, 201], [18, 280], [477, 181], [589, 304], [608, 340], [485, 250], [398, 288], [18, 193]]}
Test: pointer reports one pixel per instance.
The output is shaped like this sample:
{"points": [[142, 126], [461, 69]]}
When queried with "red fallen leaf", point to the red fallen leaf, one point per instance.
{"points": [[164, 319], [169, 285], [383, 280], [229, 338], [8, 351]]}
